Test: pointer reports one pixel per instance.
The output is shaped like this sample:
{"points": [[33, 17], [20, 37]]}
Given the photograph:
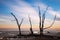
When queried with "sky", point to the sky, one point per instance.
{"points": [[23, 8]]}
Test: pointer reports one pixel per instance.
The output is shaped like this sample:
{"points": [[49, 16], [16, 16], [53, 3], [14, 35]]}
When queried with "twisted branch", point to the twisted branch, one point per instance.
{"points": [[52, 23]]}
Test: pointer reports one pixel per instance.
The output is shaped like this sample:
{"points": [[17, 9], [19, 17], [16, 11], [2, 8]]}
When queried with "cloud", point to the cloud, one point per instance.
{"points": [[58, 18], [53, 13], [50, 10], [6, 19], [21, 9], [24, 9]]}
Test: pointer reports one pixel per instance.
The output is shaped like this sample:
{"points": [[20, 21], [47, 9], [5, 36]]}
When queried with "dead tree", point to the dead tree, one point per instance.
{"points": [[30, 25], [19, 25], [42, 19]]}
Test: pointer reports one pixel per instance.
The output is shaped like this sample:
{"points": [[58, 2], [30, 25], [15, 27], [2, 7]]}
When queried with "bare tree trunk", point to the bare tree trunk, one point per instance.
{"points": [[16, 22], [30, 26], [41, 31], [42, 19], [31, 31], [19, 25]]}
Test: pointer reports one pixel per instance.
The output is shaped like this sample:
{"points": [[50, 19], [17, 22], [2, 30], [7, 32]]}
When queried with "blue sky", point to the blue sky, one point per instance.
{"points": [[5, 9], [23, 8]]}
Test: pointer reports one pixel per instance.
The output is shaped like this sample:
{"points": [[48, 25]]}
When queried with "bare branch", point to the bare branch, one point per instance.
{"points": [[52, 23], [15, 18], [30, 21], [17, 23], [43, 17], [30, 25], [21, 22], [39, 17]]}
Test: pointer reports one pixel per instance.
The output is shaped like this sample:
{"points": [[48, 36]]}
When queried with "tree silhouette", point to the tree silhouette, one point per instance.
{"points": [[42, 19], [30, 25], [19, 25]]}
